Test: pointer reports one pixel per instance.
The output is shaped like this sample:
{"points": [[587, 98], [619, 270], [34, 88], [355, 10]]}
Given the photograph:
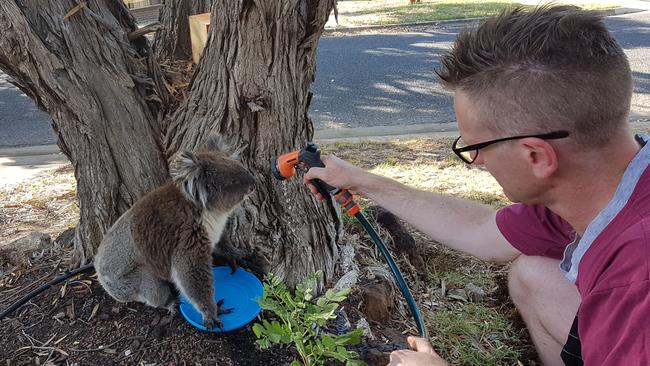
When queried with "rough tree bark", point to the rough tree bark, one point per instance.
{"points": [[96, 87], [173, 41], [104, 95], [252, 85]]}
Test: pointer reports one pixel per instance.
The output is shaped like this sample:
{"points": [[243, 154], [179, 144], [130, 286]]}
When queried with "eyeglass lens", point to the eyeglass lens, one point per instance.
{"points": [[468, 156]]}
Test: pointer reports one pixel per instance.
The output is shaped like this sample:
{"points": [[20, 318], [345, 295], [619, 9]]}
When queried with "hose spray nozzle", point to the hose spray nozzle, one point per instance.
{"points": [[285, 166]]}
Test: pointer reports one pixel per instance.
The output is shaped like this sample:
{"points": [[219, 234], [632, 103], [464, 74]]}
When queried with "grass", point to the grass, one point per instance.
{"points": [[384, 12], [425, 164], [458, 279], [473, 334]]}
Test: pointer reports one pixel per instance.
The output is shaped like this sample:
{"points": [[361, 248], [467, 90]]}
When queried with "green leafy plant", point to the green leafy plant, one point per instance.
{"points": [[301, 322]]}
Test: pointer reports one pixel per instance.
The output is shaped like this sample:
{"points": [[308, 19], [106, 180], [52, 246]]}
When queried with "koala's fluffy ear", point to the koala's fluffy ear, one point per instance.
{"points": [[237, 153], [186, 173], [216, 142]]}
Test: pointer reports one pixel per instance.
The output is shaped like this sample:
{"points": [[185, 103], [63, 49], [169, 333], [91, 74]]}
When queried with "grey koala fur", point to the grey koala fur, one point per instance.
{"points": [[169, 234]]}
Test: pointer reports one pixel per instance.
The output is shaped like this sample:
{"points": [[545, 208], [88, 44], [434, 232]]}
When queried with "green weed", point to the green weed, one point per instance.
{"points": [[302, 318]]}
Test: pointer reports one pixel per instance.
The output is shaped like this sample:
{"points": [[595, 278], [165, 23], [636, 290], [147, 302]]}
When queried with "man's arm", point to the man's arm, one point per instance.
{"points": [[460, 224]]}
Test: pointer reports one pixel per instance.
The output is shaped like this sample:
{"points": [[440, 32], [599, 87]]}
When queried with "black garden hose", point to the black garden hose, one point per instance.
{"points": [[32, 294], [422, 330]]}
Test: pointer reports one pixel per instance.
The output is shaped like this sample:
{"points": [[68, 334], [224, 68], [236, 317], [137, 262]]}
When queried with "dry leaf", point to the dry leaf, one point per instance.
{"points": [[64, 288], [69, 312], [92, 314], [74, 10]]}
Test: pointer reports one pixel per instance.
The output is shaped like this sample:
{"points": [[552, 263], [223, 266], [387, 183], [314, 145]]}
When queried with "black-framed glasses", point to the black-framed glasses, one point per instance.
{"points": [[469, 153]]}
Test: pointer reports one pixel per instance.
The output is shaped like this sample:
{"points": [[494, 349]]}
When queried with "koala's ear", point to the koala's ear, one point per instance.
{"points": [[186, 172], [237, 153], [217, 142]]}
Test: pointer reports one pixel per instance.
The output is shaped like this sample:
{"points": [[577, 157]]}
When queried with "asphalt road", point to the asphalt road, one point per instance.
{"points": [[383, 78], [388, 78], [21, 123]]}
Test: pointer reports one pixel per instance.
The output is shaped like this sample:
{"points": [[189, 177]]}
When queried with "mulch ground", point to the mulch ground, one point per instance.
{"points": [[77, 322]]}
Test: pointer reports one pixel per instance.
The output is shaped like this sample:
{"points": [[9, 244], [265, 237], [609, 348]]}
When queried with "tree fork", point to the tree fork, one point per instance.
{"points": [[252, 86], [107, 98], [173, 41]]}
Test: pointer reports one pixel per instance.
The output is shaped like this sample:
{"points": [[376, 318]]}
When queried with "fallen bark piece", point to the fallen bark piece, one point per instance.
{"points": [[377, 302]]}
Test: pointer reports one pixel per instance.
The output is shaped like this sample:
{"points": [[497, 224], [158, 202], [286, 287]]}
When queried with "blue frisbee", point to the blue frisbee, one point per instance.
{"points": [[239, 290]]}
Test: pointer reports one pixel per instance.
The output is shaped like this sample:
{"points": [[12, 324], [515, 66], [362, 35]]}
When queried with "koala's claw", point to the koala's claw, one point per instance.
{"points": [[211, 317], [223, 311], [171, 307], [212, 322], [233, 266]]}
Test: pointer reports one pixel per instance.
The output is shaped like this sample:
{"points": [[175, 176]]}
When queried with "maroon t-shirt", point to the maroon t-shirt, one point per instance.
{"points": [[614, 269]]}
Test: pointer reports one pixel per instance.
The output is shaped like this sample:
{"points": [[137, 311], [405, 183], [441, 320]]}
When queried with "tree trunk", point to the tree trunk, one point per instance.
{"points": [[107, 102], [173, 41], [95, 85], [252, 85]]}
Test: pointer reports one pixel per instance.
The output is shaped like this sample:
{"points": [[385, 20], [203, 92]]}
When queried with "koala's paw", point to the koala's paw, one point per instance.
{"points": [[211, 318], [212, 322], [172, 308]]}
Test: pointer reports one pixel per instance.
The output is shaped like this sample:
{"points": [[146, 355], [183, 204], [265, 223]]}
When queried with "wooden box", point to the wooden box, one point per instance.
{"points": [[199, 28]]}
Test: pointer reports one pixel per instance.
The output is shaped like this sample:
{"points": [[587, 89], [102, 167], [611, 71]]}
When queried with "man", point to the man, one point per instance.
{"points": [[542, 101]]}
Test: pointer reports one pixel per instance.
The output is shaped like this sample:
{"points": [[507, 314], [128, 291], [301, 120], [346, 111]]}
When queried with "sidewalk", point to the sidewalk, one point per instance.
{"points": [[22, 163]]}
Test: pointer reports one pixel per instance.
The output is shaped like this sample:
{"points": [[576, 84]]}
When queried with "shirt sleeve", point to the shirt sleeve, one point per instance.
{"points": [[614, 326], [534, 230]]}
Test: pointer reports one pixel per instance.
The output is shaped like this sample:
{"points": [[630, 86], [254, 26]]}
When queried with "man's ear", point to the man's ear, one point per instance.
{"points": [[541, 156]]}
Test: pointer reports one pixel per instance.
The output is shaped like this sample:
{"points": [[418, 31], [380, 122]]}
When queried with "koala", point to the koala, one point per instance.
{"points": [[169, 234]]}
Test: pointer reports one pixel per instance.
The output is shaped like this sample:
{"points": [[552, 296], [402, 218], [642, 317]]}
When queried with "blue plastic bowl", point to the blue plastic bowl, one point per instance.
{"points": [[239, 290]]}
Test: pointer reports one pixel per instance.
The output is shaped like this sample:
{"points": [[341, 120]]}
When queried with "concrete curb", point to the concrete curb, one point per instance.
{"points": [[360, 28], [330, 135], [30, 151]]}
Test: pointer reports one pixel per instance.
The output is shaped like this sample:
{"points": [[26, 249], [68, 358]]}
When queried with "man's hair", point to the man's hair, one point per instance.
{"points": [[553, 68]]}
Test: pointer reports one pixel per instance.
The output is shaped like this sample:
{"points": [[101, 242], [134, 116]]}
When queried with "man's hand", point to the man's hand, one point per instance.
{"points": [[422, 354], [337, 173]]}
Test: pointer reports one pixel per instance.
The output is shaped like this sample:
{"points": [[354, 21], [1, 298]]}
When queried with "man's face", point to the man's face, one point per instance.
{"points": [[503, 160]]}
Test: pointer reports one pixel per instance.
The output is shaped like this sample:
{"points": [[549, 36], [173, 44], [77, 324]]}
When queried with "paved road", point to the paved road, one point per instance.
{"points": [[388, 79], [21, 123], [381, 79]]}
